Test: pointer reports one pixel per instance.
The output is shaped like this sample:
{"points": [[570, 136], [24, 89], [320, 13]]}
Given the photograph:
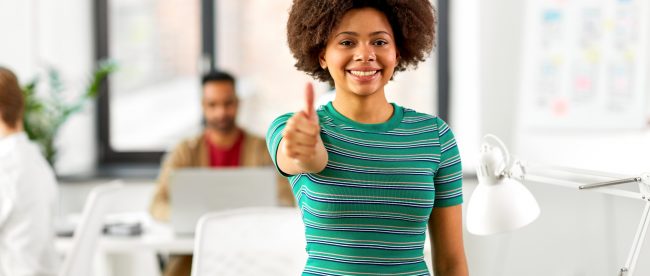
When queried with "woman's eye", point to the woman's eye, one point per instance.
{"points": [[381, 42], [346, 43]]}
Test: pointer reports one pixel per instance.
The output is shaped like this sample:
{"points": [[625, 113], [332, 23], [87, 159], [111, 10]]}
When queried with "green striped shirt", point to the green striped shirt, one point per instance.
{"points": [[367, 212]]}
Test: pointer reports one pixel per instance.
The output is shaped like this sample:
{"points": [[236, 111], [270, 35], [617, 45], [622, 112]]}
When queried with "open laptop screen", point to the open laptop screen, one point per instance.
{"points": [[196, 191]]}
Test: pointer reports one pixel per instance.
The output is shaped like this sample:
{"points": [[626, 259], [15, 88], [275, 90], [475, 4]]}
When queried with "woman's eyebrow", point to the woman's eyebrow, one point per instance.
{"points": [[357, 34]]}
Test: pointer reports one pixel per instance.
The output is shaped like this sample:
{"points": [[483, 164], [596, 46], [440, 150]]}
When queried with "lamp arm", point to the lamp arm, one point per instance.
{"points": [[630, 264], [609, 183], [642, 229]]}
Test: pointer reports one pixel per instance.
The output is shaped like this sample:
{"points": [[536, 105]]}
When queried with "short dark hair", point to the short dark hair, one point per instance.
{"points": [[217, 76], [12, 101], [311, 22]]}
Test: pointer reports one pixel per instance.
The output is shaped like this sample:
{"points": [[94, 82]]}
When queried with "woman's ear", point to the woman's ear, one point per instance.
{"points": [[321, 60]]}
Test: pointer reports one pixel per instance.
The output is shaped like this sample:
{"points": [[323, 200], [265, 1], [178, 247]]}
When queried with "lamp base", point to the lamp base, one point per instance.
{"points": [[623, 272]]}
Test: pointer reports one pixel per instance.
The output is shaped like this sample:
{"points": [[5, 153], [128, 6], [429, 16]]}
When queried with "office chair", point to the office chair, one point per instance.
{"points": [[250, 241], [79, 261]]}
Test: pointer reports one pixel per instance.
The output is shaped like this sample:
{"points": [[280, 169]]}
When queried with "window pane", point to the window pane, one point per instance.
{"points": [[155, 94]]}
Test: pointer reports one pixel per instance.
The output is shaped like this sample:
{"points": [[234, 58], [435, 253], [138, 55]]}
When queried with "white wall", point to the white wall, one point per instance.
{"points": [[466, 87], [597, 138], [38, 34], [17, 48], [500, 45], [578, 233]]}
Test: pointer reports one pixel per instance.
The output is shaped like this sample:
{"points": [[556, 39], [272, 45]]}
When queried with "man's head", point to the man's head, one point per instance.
{"points": [[219, 101], [12, 102]]}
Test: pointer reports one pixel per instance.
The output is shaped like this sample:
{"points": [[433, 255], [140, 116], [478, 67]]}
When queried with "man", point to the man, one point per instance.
{"points": [[222, 144], [28, 192]]}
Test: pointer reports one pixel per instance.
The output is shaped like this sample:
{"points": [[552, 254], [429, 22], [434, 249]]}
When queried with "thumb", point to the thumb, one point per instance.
{"points": [[309, 101]]}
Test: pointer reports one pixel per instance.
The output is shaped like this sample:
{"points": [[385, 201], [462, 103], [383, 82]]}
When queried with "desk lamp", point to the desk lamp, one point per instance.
{"points": [[501, 202]]}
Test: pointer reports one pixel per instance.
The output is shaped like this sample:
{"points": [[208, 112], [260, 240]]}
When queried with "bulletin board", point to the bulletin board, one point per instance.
{"points": [[585, 65]]}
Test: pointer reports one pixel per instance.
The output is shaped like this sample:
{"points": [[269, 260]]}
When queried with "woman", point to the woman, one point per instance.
{"points": [[28, 192], [368, 175]]}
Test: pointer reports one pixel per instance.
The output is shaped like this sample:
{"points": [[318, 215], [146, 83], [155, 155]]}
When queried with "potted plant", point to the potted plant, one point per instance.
{"points": [[46, 112]]}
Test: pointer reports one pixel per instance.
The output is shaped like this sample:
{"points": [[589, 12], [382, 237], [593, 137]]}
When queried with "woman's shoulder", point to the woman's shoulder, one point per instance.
{"points": [[411, 115], [276, 126], [419, 118], [282, 118]]}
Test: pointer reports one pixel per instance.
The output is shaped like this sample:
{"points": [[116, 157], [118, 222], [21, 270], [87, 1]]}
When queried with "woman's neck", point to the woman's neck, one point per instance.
{"points": [[6, 130], [371, 109]]}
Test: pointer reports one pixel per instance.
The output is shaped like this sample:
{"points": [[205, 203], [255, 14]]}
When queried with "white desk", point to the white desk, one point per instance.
{"points": [[135, 255], [156, 237]]}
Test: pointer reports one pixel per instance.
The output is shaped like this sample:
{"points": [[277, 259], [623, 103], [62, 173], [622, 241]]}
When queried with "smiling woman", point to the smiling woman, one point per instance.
{"points": [[370, 176]]}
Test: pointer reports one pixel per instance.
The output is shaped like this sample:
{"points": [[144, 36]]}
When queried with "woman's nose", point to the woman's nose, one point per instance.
{"points": [[365, 53]]}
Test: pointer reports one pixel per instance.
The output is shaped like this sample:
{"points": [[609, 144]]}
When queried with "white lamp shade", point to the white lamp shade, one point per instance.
{"points": [[500, 206]]}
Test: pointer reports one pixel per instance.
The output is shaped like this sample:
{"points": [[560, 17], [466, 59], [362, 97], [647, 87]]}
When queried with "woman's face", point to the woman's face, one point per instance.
{"points": [[361, 54]]}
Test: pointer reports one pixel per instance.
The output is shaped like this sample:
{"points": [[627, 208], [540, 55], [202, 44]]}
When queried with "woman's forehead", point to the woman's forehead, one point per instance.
{"points": [[363, 21]]}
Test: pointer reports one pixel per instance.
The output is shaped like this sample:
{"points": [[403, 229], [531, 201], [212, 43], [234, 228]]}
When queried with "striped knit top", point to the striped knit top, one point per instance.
{"points": [[366, 213]]}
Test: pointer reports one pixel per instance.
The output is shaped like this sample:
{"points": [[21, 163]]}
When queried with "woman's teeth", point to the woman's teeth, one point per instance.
{"points": [[363, 73]]}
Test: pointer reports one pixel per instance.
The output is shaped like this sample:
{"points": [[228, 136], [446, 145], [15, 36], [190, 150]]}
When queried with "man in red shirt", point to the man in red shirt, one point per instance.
{"points": [[222, 144]]}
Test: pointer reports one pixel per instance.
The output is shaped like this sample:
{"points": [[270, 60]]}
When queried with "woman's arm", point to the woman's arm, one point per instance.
{"points": [[294, 158], [447, 249]]}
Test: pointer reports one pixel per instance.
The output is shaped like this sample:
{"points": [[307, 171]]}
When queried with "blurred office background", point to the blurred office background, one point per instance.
{"points": [[561, 82]]}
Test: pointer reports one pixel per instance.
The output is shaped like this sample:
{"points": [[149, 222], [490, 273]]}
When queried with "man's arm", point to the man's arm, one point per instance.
{"points": [[178, 158], [446, 232]]}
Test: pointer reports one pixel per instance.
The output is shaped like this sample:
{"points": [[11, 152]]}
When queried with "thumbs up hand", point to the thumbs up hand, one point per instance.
{"points": [[301, 148]]}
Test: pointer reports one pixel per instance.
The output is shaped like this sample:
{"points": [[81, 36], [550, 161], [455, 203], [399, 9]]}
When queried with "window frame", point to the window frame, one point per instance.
{"points": [[106, 154], [443, 70]]}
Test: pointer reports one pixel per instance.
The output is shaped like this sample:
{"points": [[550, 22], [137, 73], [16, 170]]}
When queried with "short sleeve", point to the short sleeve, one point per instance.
{"points": [[274, 136], [448, 179]]}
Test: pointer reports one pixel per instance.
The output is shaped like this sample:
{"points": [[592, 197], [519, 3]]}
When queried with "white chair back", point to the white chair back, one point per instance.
{"points": [[251, 241], [79, 260]]}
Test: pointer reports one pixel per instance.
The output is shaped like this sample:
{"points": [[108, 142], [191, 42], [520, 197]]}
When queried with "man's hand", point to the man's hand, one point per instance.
{"points": [[301, 141]]}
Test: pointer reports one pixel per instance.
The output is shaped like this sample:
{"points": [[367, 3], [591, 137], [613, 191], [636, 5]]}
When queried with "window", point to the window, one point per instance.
{"points": [[153, 99]]}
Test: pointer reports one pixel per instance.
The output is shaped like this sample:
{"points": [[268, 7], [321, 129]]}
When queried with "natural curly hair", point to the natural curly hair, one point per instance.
{"points": [[311, 21]]}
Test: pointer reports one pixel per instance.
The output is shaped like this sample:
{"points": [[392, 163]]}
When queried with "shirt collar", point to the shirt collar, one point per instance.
{"points": [[9, 142]]}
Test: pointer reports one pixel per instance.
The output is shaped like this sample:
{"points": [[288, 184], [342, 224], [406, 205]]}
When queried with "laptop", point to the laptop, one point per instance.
{"points": [[194, 192]]}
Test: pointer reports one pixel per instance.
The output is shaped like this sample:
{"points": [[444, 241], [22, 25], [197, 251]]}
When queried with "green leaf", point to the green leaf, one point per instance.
{"points": [[105, 68], [45, 114]]}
